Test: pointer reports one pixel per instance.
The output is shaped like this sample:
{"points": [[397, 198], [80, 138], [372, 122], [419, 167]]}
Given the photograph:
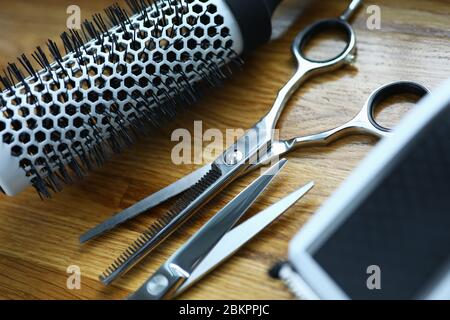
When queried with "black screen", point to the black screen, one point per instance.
{"points": [[403, 226]]}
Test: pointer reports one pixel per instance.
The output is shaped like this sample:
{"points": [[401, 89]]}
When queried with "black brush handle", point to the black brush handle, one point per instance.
{"points": [[255, 20]]}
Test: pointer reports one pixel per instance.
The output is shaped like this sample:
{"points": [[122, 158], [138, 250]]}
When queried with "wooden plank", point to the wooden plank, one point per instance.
{"points": [[39, 240]]}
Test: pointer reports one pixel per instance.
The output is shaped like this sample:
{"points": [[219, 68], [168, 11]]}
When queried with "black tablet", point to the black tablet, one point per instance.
{"points": [[385, 234]]}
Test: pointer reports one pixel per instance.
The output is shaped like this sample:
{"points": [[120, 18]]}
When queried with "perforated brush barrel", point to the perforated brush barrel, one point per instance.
{"points": [[121, 75]]}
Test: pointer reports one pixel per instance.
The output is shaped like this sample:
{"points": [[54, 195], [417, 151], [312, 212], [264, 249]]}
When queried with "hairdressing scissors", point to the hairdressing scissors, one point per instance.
{"points": [[215, 241], [254, 149]]}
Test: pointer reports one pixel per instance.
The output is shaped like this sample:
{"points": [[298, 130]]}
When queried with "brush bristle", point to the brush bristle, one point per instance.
{"points": [[120, 77], [163, 227]]}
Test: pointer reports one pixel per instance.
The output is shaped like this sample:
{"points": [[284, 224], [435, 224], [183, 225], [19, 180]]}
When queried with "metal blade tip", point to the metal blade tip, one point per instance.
{"points": [[276, 167], [303, 190]]}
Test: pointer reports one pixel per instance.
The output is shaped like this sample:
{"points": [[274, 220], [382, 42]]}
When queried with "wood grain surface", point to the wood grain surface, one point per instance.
{"points": [[39, 239]]}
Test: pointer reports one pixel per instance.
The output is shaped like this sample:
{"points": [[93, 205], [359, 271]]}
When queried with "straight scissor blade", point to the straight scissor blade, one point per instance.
{"points": [[146, 204], [198, 247], [184, 261], [242, 234]]}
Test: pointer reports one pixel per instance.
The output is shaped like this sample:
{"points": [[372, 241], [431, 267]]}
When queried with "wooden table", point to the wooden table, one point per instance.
{"points": [[39, 240]]}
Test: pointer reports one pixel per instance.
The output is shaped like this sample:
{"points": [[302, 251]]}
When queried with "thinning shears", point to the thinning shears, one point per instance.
{"points": [[215, 241], [256, 148]]}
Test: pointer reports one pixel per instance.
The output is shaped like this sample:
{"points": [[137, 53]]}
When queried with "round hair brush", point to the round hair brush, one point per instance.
{"points": [[63, 113]]}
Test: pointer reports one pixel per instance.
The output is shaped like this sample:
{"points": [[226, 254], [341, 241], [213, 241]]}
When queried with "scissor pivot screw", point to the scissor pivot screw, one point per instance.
{"points": [[157, 285], [233, 157]]}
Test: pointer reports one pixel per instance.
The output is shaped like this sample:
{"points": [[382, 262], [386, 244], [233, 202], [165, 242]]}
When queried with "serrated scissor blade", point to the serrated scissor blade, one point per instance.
{"points": [[157, 232], [148, 203], [240, 235]]}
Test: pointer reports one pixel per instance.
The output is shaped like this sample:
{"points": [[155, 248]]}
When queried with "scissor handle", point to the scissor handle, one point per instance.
{"points": [[363, 123], [367, 114], [308, 67], [346, 56]]}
